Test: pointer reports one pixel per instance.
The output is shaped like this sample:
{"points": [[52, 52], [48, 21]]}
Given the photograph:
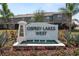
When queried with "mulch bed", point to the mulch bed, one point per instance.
{"points": [[36, 47], [39, 51]]}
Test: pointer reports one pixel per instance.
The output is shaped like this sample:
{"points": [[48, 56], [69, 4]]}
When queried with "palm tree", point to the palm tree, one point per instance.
{"points": [[39, 16], [5, 13], [70, 9]]}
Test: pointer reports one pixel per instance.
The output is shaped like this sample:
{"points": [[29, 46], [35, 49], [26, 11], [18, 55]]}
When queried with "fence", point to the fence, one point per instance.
{"points": [[9, 26]]}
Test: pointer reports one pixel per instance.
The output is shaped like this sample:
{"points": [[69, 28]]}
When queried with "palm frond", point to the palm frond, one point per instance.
{"points": [[2, 14], [71, 8], [9, 15], [63, 10], [5, 7], [39, 15], [5, 12]]}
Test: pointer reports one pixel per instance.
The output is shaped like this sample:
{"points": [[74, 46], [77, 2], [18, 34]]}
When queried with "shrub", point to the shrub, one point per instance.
{"points": [[61, 36], [2, 40], [70, 39], [77, 40], [76, 53]]}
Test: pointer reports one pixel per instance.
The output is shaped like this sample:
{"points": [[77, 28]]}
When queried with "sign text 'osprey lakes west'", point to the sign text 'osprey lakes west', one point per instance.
{"points": [[37, 34], [38, 29]]}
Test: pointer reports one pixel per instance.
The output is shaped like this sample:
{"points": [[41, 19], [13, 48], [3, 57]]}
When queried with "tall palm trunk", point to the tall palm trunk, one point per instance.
{"points": [[6, 28], [70, 24]]}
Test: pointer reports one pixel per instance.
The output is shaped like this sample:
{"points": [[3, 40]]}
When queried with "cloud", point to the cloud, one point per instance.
{"points": [[48, 4]]}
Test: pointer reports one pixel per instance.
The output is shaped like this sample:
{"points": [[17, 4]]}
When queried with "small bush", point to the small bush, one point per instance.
{"points": [[77, 39], [76, 53], [70, 39]]}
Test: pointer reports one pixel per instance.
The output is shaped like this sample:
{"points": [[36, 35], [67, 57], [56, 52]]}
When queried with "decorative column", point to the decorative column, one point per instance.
{"points": [[21, 31]]}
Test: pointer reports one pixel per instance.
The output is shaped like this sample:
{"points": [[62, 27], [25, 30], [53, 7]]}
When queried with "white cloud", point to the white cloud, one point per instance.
{"points": [[48, 4]]}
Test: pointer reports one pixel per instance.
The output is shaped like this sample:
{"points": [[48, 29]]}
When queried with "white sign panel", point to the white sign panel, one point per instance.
{"points": [[37, 34], [41, 31]]}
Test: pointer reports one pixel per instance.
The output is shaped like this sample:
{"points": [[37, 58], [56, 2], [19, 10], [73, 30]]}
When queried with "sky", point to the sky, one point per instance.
{"points": [[23, 8], [26, 8]]}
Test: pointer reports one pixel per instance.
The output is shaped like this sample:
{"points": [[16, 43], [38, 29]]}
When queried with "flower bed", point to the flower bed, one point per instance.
{"points": [[54, 51]]}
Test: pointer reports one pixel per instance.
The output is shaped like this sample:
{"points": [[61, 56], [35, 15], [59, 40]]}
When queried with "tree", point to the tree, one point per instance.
{"points": [[70, 9], [39, 16], [5, 13]]}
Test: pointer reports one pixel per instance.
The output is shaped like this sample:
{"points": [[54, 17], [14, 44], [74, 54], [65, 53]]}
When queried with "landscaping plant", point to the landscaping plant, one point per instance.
{"points": [[70, 39], [77, 40], [76, 52]]}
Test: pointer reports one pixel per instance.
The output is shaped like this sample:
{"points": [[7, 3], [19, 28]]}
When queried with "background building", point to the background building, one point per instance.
{"points": [[51, 17]]}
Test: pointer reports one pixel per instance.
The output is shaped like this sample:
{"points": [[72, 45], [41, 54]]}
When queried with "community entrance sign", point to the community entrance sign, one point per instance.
{"points": [[37, 34]]}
